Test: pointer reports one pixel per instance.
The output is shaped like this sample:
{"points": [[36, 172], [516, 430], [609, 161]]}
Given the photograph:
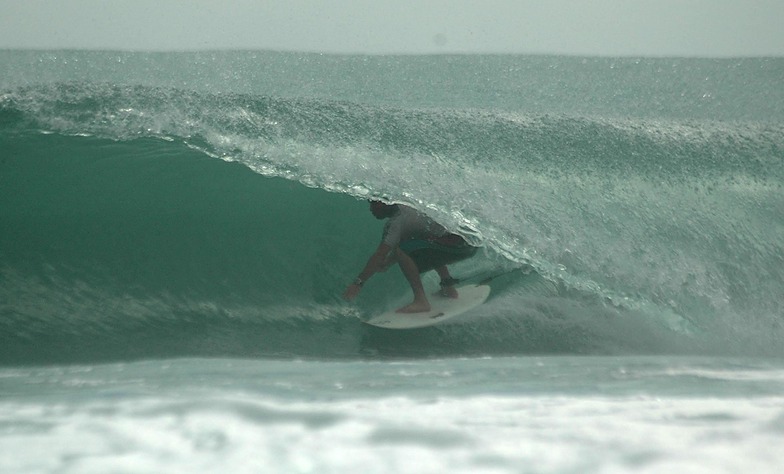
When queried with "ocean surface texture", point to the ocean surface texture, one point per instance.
{"points": [[176, 230]]}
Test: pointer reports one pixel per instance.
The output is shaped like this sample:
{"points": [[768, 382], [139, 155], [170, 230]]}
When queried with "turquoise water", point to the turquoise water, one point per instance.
{"points": [[177, 229]]}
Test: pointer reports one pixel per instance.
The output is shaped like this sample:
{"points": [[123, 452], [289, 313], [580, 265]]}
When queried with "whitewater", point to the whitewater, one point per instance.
{"points": [[176, 230]]}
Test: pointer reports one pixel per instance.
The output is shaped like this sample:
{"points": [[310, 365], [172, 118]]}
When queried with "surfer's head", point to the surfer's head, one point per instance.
{"points": [[382, 210]]}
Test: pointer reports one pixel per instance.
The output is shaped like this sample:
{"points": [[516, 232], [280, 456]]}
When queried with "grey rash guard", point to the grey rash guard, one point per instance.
{"points": [[409, 224]]}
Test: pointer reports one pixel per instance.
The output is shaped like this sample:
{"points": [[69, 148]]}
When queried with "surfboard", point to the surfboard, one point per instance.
{"points": [[442, 309]]}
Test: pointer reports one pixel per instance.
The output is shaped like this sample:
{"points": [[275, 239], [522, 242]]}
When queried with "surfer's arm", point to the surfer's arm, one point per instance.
{"points": [[376, 263]]}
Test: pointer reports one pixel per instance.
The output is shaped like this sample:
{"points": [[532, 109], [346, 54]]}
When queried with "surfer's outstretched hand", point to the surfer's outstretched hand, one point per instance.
{"points": [[351, 292]]}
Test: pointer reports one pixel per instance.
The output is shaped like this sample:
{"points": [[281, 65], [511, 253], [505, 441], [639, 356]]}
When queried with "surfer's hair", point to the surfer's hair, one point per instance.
{"points": [[382, 209]]}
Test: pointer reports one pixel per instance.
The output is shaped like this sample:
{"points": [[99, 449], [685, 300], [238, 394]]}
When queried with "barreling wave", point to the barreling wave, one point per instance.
{"points": [[147, 221]]}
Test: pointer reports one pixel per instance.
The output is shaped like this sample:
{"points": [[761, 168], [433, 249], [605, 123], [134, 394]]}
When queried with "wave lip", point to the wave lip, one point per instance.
{"points": [[672, 88]]}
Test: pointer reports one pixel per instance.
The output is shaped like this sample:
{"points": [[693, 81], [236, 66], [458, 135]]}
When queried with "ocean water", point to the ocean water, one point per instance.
{"points": [[176, 230]]}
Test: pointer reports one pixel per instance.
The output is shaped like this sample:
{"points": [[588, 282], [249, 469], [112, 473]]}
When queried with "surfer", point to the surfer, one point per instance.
{"points": [[418, 244]]}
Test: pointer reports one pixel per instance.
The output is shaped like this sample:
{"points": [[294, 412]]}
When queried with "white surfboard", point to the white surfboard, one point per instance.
{"points": [[442, 309]]}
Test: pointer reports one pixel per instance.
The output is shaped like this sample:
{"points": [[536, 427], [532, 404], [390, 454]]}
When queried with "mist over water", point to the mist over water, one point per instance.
{"points": [[213, 203]]}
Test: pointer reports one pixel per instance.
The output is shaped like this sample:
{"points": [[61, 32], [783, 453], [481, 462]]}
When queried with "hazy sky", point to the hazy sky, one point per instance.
{"points": [[593, 27]]}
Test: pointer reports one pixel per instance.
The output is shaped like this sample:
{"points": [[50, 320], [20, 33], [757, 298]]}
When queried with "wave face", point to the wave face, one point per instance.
{"points": [[159, 205]]}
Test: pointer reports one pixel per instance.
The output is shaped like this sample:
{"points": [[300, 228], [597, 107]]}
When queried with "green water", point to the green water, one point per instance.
{"points": [[176, 230]]}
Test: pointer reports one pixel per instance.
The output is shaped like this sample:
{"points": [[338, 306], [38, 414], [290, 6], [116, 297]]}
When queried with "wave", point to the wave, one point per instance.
{"points": [[148, 221]]}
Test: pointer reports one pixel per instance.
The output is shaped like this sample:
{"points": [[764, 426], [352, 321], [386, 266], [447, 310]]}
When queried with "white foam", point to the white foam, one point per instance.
{"points": [[358, 417]]}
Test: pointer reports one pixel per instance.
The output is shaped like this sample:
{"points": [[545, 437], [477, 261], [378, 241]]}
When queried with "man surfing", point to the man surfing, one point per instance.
{"points": [[418, 244]]}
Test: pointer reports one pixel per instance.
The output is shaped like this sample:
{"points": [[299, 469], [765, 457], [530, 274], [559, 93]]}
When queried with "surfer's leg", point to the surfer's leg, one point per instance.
{"points": [[447, 282], [411, 272]]}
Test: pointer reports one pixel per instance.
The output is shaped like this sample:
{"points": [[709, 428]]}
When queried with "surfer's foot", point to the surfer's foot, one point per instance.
{"points": [[415, 307], [448, 292]]}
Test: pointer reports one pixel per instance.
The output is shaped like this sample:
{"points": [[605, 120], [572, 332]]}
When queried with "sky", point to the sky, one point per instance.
{"points": [[708, 28]]}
